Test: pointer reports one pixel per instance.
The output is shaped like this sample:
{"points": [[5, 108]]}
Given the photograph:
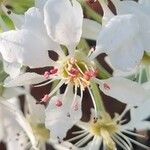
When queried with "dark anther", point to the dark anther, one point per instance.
{"points": [[9, 7], [135, 107], [9, 12], [95, 119]]}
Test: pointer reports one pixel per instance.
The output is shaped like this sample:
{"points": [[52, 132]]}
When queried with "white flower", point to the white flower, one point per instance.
{"points": [[107, 131], [125, 36], [29, 46]]}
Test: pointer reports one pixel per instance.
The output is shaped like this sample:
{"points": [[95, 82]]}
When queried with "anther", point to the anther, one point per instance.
{"points": [[53, 71], [8, 12], [76, 107], [58, 103], [74, 72], [106, 86], [46, 75], [89, 74]]}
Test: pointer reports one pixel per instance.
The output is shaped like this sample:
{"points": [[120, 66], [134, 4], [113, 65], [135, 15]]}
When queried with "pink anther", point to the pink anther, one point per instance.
{"points": [[46, 75], [76, 106], [53, 71], [106, 86], [74, 72], [89, 74], [46, 98], [58, 103]]}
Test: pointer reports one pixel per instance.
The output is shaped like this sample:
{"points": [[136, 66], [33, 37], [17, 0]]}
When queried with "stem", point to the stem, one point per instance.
{"points": [[102, 72], [3, 25], [97, 97]]}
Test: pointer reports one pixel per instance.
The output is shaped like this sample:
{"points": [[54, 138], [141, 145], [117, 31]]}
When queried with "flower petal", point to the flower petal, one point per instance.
{"points": [[142, 112], [13, 69], [128, 56], [144, 2], [113, 40], [29, 44], [64, 25], [90, 29], [36, 112], [62, 114], [142, 12], [40, 4], [12, 92], [24, 79], [18, 116], [124, 90], [24, 47]]}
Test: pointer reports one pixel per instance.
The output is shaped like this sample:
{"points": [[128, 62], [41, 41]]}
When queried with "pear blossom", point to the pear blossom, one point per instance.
{"points": [[124, 37], [40, 32], [107, 131]]}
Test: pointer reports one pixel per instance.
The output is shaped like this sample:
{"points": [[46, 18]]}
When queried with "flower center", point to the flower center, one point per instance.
{"points": [[77, 71], [105, 127]]}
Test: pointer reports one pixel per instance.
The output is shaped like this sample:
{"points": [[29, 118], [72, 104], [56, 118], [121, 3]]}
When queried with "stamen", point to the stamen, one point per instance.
{"points": [[73, 72], [89, 74], [53, 71], [106, 86], [58, 103], [44, 100], [46, 75], [76, 107]]}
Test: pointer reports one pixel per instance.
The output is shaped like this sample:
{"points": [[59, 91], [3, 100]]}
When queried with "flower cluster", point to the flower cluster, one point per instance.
{"points": [[55, 36]]}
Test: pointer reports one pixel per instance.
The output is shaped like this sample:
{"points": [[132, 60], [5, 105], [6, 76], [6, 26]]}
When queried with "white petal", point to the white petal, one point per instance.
{"points": [[34, 21], [40, 4], [12, 92], [24, 79], [124, 90], [18, 116], [24, 47], [65, 146], [13, 69], [142, 112], [120, 73], [138, 125], [142, 12], [129, 56], [146, 85], [36, 112], [114, 35], [124, 48], [60, 119], [64, 25], [145, 2], [107, 13], [90, 29], [95, 144]]}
